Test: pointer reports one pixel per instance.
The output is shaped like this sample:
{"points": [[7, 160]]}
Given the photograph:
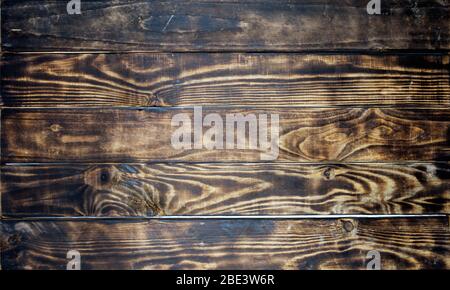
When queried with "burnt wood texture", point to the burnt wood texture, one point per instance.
{"points": [[204, 25], [224, 79], [228, 244], [306, 135], [118, 190], [87, 161]]}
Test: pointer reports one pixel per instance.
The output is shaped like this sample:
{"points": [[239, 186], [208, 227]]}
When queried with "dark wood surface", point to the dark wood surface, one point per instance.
{"points": [[306, 135], [225, 79], [205, 25], [227, 244], [224, 189], [86, 103]]}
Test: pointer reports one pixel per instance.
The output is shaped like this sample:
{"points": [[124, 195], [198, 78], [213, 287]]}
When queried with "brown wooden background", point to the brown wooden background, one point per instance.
{"points": [[86, 160]]}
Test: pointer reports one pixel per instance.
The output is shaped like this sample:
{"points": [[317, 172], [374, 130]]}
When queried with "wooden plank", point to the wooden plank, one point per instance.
{"points": [[230, 79], [205, 25], [224, 189], [305, 135], [406, 243]]}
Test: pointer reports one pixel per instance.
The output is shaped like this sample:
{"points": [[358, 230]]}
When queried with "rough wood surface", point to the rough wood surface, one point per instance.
{"points": [[236, 79], [306, 135], [224, 189], [30, 25], [361, 132], [422, 243]]}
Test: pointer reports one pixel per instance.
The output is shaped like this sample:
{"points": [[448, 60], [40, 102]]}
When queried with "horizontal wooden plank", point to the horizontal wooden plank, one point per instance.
{"points": [[414, 243], [305, 135], [30, 25], [224, 189], [236, 79]]}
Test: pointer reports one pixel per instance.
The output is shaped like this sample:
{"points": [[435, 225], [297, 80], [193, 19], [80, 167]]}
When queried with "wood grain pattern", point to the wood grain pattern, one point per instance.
{"points": [[230, 79], [422, 243], [361, 132], [201, 25], [306, 135], [224, 189]]}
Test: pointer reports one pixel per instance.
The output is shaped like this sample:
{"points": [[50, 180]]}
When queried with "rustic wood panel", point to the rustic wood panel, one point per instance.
{"points": [[30, 25], [243, 79], [307, 135], [422, 243], [347, 160], [224, 189]]}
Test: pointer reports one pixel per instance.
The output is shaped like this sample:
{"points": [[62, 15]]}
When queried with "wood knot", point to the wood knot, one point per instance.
{"points": [[144, 207], [101, 178], [10, 242], [104, 177], [14, 240], [55, 128], [348, 225], [154, 101], [329, 173]]}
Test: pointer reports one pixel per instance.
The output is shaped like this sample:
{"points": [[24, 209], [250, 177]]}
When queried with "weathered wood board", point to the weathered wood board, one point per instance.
{"points": [[414, 243], [224, 79], [204, 25], [305, 135], [88, 113], [123, 190]]}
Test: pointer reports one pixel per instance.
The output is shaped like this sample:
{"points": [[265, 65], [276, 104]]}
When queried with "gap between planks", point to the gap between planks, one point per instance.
{"points": [[169, 162], [222, 107]]}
